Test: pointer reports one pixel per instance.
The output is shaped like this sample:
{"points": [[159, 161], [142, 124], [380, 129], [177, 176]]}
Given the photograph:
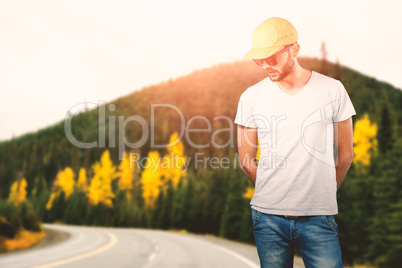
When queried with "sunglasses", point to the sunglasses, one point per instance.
{"points": [[271, 60]]}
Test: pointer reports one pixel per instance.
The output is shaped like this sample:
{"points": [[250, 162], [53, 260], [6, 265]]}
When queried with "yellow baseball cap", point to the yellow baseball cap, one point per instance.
{"points": [[270, 36]]}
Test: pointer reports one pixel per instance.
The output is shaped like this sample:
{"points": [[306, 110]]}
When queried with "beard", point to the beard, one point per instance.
{"points": [[279, 75]]}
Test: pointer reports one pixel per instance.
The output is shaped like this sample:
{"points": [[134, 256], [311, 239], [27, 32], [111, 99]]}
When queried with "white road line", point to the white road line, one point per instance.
{"points": [[111, 242], [234, 254], [228, 251]]}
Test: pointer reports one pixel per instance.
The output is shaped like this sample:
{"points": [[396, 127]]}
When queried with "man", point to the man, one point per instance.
{"points": [[297, 116]]}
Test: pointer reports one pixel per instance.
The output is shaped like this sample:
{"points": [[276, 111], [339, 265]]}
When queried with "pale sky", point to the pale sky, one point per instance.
{"points": [[57, 54]]}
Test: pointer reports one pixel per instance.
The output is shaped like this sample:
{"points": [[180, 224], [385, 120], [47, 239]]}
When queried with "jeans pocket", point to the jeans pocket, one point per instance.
{"points": [[255, 214], [330, 221]]}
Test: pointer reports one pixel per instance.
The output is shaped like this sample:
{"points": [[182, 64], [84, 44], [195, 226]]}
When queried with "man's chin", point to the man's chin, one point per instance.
{"points": [[275, 77]]}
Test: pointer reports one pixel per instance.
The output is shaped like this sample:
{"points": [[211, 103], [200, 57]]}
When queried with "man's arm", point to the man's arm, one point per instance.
{"points": [[247, 146], [344, 147]]}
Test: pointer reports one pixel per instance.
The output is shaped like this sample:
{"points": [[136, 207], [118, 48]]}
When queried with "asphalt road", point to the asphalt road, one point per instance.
{"points": [[78, 246]]}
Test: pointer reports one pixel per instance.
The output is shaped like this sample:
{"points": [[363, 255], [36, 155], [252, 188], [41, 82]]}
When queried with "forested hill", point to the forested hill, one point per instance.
{"points": [[64, 182], [209, 92]]}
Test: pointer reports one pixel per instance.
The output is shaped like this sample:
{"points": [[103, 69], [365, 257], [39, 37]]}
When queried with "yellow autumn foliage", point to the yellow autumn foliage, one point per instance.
{"points": [[94, 193], [125, 175], [173, 164], [23, 240], [82, 180], [177, 146], [364, 140], [50, 201], [258, 151], [249, 193], [18, 191], [64, 182], [151, 179], [67, 182], [159, 171], [100, 188]]}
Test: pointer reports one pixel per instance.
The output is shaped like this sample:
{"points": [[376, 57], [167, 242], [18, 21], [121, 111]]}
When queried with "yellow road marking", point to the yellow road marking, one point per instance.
{"points": [[111, 242]]}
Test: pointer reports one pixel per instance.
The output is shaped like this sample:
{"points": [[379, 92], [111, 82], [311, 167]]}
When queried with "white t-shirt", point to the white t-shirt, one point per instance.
{"points": [[296, 170]]}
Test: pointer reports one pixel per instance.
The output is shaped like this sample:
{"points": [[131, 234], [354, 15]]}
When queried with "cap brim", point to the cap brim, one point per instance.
{"points": [[261, 53]]}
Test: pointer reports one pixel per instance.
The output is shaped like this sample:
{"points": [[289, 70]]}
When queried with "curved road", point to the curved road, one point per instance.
{"points": [[120, 247]]}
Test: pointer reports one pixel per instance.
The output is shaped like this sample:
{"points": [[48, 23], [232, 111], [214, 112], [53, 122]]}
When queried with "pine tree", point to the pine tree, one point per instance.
{"points": [[385, 238], [55, 211], [216, 196], [167, 207], [39, 202], [233, 215], [198, 204], [157, 210], [189, 206], [385, 131], [123, 209], [30, 219], [76, 208], [355, 201], [39, 186], [179, 199]]}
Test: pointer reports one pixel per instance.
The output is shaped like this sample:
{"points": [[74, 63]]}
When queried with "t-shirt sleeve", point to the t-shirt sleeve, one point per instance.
{"points": [[244, 115], [345, 107]]}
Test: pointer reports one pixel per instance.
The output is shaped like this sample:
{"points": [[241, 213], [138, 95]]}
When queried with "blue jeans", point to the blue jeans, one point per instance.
{"points": [[316, 238]]}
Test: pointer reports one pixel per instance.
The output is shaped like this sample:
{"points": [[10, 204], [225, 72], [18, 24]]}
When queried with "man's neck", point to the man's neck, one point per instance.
{"points": [[295, 81]]}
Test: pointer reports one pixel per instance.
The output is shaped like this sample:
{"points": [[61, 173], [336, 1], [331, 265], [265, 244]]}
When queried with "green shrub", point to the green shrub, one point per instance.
{"points": [[30, 220], [10, 220]]}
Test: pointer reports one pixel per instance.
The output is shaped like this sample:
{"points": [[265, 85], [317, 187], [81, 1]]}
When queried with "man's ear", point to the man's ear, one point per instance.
{"points": [[295, 50]]}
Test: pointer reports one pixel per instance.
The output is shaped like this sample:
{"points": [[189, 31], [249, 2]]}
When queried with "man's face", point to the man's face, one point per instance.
{"points": [[284, 65]]}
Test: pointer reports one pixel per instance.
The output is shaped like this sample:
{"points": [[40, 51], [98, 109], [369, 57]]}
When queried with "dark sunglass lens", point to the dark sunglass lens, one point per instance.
{"points": [[272, 61], [258, 62]]}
